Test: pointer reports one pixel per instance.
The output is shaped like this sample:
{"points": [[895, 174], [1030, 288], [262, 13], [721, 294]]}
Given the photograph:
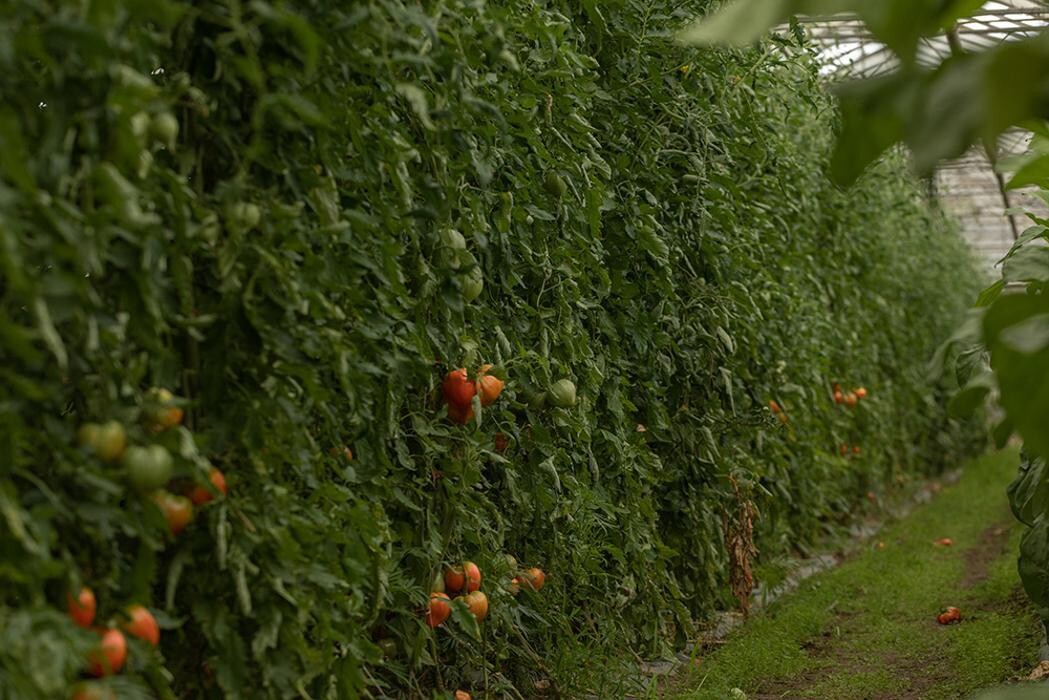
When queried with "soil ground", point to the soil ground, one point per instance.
{"points": [[868, 629]]}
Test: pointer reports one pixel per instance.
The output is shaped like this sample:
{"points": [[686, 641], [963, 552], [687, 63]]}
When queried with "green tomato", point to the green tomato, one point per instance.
{"points": [[562, 393], [147, 468], [555, 184], [164, 128], [453, 239], [244, 215], [472, 284]]}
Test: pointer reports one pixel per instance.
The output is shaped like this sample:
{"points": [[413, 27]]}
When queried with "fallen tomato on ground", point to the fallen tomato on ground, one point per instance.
{"points": [[949, 616], [944, 542]]}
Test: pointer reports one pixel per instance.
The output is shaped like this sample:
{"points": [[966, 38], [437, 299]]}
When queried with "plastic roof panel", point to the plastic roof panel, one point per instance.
{"points": [[968, 187]]}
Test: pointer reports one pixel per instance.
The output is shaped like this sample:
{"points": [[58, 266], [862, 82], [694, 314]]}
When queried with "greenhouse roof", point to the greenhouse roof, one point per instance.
{"points": [[968, 187]]}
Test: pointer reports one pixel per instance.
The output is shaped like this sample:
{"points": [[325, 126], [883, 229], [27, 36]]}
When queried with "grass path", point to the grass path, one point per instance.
{"points": [[868, 629]]}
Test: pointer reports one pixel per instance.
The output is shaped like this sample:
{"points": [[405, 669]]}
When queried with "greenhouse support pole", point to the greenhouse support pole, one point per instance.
{"points": [[955, 42]]}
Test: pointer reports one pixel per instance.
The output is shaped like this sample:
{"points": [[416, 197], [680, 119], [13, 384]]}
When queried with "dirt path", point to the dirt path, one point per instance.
{"points": [[868, 629]]}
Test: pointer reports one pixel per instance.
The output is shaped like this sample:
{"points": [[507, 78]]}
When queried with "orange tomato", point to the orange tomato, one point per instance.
{"points": [[454, 579], [843, 450], [462, 695], [774, 407], [200, 495], [534, 579], [851, 399], [178, 510], [838, 397], [142, 624], [439, 610], [109, 656], [488, 387], [944, 542], [856, 450], [458, 389], [515, 585], [477, 601], [473, 576], [861, 392], [82, 608]]}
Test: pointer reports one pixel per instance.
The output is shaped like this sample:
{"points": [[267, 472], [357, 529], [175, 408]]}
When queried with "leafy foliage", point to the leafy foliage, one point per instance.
{"points": [[253, 206]]}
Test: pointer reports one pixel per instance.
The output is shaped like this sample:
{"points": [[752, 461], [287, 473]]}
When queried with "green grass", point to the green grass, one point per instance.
{"points": [[868, 629]]}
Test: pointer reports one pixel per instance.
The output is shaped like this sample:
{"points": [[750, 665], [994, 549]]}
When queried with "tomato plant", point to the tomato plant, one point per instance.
{"points": [[295, 218]]}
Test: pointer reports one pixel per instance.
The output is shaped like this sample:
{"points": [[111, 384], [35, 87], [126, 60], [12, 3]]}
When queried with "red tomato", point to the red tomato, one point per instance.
{"points": [[458, 389], [200, 495], [851, 399], [109, 656], [454, 579], [774, 407], [488, 387], [82, 608], [856, 449], [861, 392], [944, 542], [838, 397], [142, 624], [473, 576], [477, 601], [439, 610], [843, 450]]}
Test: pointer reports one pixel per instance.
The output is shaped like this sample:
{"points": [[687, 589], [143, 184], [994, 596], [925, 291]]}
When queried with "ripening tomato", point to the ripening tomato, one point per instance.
{"points": [[82, 608], [107, 441], [462, 695], [839, 397], [477, 601], [488, 386], [160, 411], [856, 450], [200, 495], [439, 610], [142, 624], [944, 542], [861, 392], [473, 576], [515, 585], [454, 579], [178, 510], [533, 579], [851, 399], [458, 389], [774, 407], [843, 450], [109, 656]]}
